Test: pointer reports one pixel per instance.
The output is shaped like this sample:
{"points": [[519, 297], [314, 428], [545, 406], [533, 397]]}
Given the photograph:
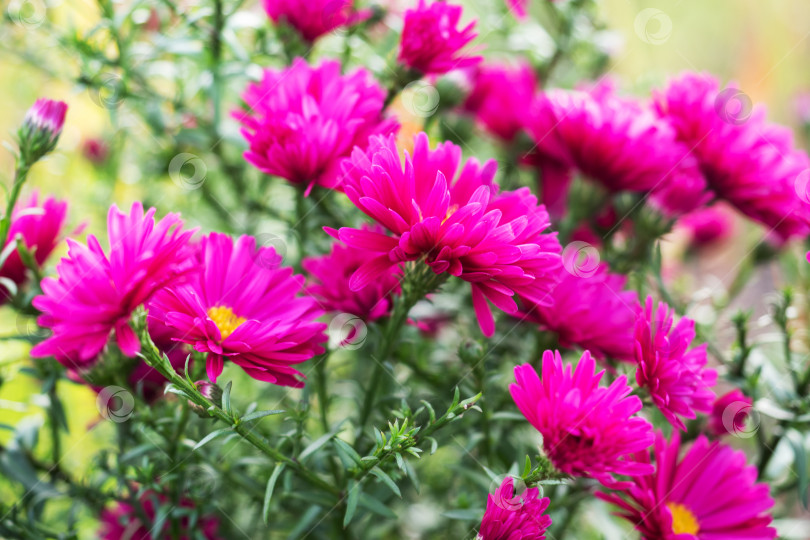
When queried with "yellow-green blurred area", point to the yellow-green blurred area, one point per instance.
{"points": [[764, 46]]}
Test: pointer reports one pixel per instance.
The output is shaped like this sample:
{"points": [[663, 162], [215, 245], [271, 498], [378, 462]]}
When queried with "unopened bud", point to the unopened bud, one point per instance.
{"points": [[41, 128], [211, 392]]}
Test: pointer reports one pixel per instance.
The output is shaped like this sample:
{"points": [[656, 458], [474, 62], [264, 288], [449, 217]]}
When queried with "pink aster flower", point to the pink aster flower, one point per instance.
{"points": [[499, 98], [588, 429], [96, 292], [729, 413], [610, 140], [431, 41], [708, 225], [451, 217], [708, 494], [590, 309], [39, 224], [302, 121], [511, 516], [676, 378], [748, 162], [122, 521], [329, 283], [312, 19], [243, 306]]}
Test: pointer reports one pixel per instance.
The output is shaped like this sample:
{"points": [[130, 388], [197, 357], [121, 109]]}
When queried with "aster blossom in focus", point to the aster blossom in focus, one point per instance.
{"points": [[729, 413], [244, 307], [612, 141], [303, 121], [313, 19], [675, 376], [588, 429], [453, 218], [511, 516], [431, 41], [39, 223], [591, 311], [97, 292], [745, 160], [499, 97], [709, 493], [329, 283]]}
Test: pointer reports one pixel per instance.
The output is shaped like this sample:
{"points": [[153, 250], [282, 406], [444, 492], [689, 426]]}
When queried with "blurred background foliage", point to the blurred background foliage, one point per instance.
{"points": [[107, 153]]}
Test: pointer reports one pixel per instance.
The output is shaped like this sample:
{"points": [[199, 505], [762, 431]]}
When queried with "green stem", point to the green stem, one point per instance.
{"points": [[20, 175]]}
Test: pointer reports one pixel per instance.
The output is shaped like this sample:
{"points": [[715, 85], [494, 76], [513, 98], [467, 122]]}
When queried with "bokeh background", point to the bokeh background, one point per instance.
{"points": [[764, 46]]}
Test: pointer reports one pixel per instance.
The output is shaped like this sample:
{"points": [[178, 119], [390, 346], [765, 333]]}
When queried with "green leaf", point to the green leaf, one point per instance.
{"points": [[315, 446], [211, 436], [351, 502], [376, 471], [797, 443], [226, 398], [268, 493], [469, 514], [259, 414], [376, 506], [409, 470], [347, 454]]}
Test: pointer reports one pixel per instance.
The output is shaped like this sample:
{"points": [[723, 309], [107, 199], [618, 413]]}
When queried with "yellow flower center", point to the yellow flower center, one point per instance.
{"points": [[683, 520], [450, 212], [225, 319]]}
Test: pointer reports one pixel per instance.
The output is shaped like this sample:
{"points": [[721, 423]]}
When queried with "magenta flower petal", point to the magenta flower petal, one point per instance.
{"points": [[121, 521], [515, 516], [499, 98], [588, 429], [313, 19]]}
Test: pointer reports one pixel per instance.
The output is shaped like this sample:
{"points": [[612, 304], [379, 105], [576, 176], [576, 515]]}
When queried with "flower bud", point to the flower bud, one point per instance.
{"points": [[41, 128], [210, 391]]}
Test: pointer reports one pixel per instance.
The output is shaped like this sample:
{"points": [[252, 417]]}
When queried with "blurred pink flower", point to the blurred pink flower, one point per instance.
{"points": [[243, 306], [121, 521], [96, 292], [453, 218], [302, 122], [95, 151], [676, 378], [708, 225], [431, 41], [518, 6], [329, 282], [40, 225], [499, 98], [729, 413], [710, 493], [588, 429], [314, 18], [512, 516], [590, 309], [745, 160]]}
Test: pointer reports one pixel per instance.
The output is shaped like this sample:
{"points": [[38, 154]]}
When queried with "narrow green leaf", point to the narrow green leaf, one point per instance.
{"points": [[211, 436], [315, 446], [351, 502], [409, 470], [387, 480], [226, 398], [344, 447], [376, 506], [259, 414], [797, 443], [268, 493], [470, 514]]}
